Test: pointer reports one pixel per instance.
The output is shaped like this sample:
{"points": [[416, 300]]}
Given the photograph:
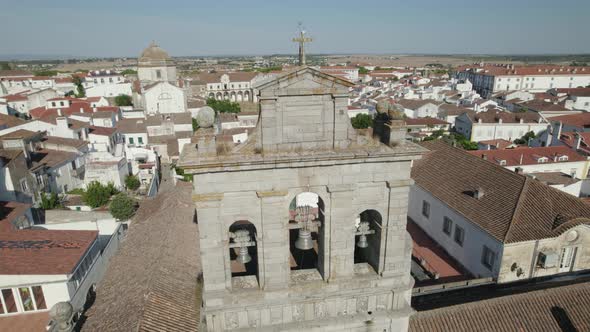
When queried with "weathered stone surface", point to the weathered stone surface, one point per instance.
{"points": [[304, 143]]}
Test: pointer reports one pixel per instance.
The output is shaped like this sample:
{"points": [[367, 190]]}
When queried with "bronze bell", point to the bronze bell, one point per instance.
{"points": [[304, 241]]}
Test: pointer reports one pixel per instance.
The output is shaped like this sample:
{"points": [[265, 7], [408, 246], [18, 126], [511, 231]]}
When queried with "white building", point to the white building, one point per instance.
{"points": [[495, 124], [488, 79], [164, 98], [233, 86], [155, 65], [415, 108], [495, 222]]}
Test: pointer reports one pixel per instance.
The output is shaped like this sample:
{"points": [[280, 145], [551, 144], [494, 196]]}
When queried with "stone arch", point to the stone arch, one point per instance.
{"points": [[218, 96], [247, 96], [307, 233], [240, 96], [226, 96], [243, 248], [368, 235], [211, 95], [232, 96]]}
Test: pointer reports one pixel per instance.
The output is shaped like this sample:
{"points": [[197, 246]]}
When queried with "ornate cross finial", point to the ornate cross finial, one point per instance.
{"points": [[302, 40]]}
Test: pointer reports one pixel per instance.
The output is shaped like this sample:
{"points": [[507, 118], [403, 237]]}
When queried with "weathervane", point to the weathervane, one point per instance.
{"points": [[302, 40]]}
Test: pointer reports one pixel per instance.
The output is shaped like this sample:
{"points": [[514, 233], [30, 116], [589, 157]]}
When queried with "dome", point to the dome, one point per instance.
{"points": [[153, 55]]}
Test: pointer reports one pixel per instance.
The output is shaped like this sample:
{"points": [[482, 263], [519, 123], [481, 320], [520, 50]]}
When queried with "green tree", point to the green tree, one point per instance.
{"points": [[132, 182], [223, 106], [361, 121], [123, 100], [4, 66], [185, 177], [81, 92], [122, 207], [49, 202], [129, 72], [525, 138], [97, 194], [45, 73], [195, 124], [363, 70]]}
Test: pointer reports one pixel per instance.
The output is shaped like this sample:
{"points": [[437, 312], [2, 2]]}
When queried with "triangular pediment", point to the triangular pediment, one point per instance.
{"points": [[306, 78]]}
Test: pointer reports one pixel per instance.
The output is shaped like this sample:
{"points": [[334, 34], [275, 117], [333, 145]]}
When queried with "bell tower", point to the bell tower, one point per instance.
{"points": [[303, 226]]}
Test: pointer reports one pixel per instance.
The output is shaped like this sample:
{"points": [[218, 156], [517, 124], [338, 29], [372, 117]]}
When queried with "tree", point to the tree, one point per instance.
{"points": [[361, 121], [195, 124], [5, 66], [129, 72], [363, 70], [45, 73], [123, 100], [525, 138], [122, 207], [97, 194], [49, 202], [223, 106], [81, 92], [132, 182]]}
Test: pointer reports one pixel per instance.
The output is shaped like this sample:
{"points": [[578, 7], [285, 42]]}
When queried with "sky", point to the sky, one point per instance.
{"points": [[106, 28]]}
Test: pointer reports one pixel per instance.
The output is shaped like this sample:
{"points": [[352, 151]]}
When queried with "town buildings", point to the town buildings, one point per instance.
{"points": [[495, 222], [497, 124], [488, 79]]}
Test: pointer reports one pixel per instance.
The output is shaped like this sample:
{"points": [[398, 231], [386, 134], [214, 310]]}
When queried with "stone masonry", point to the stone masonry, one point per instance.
{"points": [[303, 142]]}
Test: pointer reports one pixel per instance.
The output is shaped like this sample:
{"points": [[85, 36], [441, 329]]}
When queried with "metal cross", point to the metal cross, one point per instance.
{"points": [[302, 40]]}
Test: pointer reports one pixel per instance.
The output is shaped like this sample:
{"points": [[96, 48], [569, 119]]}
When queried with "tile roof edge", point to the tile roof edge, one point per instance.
{"points": [[517, 208]]}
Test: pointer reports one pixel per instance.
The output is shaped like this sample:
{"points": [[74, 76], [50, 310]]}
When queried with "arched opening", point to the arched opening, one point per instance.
{"points": [[232, 96], [218, 96], [243, 254], [367, 240], [240, 96], [247, 96], [225, 96], [306, 233], [211, 95]]}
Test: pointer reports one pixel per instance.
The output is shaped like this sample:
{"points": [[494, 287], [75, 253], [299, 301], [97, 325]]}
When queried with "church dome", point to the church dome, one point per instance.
{"points": [[154, 56]]}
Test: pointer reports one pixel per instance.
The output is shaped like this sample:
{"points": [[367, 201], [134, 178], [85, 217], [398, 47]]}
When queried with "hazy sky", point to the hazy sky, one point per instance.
{"points": [[196, 27]]}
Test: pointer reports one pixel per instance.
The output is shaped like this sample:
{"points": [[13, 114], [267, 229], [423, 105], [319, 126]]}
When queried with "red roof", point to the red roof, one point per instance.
{"points": [[529, 156], [424, 121], [104, 131], [578, 92], [15, 97], [543, 70], [75, 107], [579, 120]]}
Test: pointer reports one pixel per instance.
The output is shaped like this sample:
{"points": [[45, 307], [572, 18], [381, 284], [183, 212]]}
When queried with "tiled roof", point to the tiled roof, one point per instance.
{"points": [[495, 115], [131, 126], [234, 77], [514, 208], [498, 143], [7, 121], [536, 70], [156, 269], [53, 140], [578, 92], [51, 158], [579, 120], [554, 178], [414, 104], [540, 310], [31, 321], [424, 121], [529, 156], [103, 131], [72, 123], [19, 134], [543, 106]]}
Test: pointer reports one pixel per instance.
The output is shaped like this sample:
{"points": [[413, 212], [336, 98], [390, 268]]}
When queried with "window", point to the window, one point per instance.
{"points": [[447, 226], [73, 164], [140, 140], [488, 257], [131, 140], [9, 302], [61, 103], [459, 235], [23, 184], [26, 298], [53, 104], [39, 297], [158, 73], [426, 209]]}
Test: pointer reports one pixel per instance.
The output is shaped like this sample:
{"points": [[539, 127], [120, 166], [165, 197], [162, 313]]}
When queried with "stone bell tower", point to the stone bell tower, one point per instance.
{"points": [[303, 226]]}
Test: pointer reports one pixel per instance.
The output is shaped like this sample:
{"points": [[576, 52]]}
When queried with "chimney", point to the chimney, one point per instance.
{"points": [[578, 141], [81, 109], [519, 170], [59, 111], [94, 109], [62, 122], [478, 193], [484, 156]]}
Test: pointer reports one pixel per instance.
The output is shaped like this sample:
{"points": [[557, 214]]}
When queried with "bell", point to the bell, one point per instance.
{"points": [[304, 241], [362, 243], [243, 256]]}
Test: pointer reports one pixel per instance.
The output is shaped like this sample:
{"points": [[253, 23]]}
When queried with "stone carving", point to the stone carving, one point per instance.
{"points": [[61, 313], [206, 117], [298, 312], [231, 320]]}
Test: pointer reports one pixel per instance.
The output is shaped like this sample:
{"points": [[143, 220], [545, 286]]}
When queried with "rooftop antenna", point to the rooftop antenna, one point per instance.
{"points": [[301, 39]]}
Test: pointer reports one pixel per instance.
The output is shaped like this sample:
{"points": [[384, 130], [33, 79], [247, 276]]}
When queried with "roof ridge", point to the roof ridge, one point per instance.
{"points": [[517, 207]]}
